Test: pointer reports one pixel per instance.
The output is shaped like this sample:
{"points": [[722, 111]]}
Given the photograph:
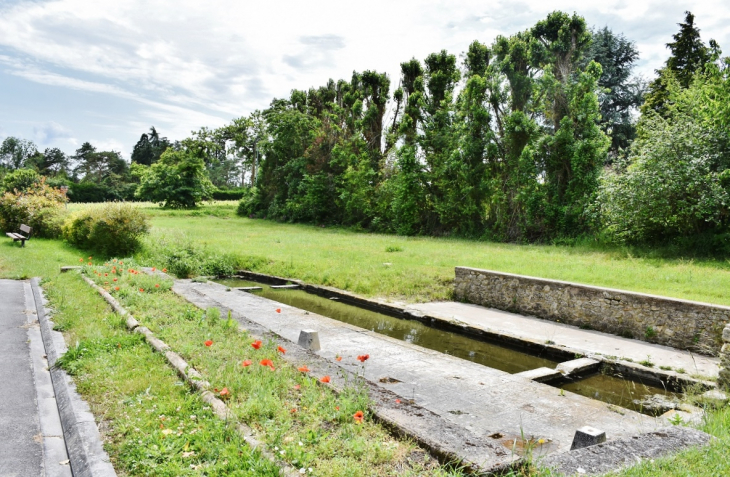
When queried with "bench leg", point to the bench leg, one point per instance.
{"points": [[22, 242]]}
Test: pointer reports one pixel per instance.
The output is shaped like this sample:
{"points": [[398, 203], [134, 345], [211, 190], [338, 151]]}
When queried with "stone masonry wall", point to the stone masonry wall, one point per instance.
{"points": [[723, 381], [682, 324]]}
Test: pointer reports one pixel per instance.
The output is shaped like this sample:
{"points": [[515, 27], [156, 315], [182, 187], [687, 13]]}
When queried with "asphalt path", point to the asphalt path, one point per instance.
{"points": [[21, 447]]}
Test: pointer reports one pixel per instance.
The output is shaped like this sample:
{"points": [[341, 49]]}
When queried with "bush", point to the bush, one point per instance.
{"points": [[20, 180], [93, 192], [40, 207], [185, 259], [231, 194], [248, 203], [112, 229], [177, 180]]}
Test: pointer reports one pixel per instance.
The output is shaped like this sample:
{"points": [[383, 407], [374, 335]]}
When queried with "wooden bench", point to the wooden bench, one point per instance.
{"points": [[24, 229]]}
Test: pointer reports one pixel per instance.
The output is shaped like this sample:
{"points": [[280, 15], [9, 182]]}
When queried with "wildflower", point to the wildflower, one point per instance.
{"points": [[225, 393], [256, 344], [278, 310], [338, 358], [267, 362], [89, 258], [115, 279], [397, 401], [281, 350], [297, 387], [164, 270], [116, 288], [358, 416], [89, 264], [157, 285], [293, 410], [153, 269], [121, 263], [106, 274], [303, 369], [325, 379], [337, 408], [246, 363], [141, 290], [363, 357], [209, 343], [81, 260]]}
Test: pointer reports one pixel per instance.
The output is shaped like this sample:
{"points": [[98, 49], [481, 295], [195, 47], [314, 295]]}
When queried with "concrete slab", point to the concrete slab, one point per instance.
{"points": [[581, 341], [473, 399], [578, 366], [541, 375]]}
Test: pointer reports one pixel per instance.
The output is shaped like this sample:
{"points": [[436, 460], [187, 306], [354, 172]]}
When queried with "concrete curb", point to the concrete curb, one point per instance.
{"points": [[193, 378], [658, 377], [83, 441]]}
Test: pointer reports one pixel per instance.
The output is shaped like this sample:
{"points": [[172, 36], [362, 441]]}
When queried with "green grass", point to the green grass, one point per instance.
{"points": [[423, 267]]}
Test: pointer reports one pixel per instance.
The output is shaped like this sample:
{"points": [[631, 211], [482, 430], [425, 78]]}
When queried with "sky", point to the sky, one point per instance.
{"points": [[104, 71]]}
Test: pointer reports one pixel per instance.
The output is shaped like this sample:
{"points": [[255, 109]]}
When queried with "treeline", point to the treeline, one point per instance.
{"points": [[543, 135]]}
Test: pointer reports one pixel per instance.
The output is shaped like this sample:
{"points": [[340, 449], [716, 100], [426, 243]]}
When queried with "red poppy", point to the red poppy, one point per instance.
{"points": [[397, 401], [157, 285], [116, 288], [106, 274], [81, 260], [141, 290], [153, 269], [246, 363], [363, 357], [358, 416], [164, 270], [209, 343], [337, 408], [256, 344], [121, 263], [115, 279], [281, 350], [303, 369], [225, 393], [325, 379], [293, 410], [297, 387], [89, 258], [89, 264], [267, 362], [339, 358], [278, 310]]}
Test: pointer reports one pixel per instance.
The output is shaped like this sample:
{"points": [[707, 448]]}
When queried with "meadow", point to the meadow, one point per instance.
{"points": [[422, 268]]}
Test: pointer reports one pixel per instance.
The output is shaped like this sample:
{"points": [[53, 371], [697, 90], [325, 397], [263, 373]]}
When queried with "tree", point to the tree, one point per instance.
{"points": [[177, 180], [15, 152], [51, 162], [149, 148], [689, 55], [621, 94]]}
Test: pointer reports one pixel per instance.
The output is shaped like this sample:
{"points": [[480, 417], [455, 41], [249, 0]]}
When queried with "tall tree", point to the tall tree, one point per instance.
{"points": [[14, 152], [150, 147], [689, 55], [621, 94]]}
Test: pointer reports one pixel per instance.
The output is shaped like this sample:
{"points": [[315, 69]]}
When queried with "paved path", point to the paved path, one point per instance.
{"points": [[586, 341], [485, 401], [31, 439]]}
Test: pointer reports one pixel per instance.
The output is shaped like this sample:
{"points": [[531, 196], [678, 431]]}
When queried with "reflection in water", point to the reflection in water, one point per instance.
{"points": [[487, 354], [617, 391]]}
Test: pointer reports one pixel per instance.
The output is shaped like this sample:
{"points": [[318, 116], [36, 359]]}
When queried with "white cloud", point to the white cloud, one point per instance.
{"points": [[49, 132], [189, 64]]}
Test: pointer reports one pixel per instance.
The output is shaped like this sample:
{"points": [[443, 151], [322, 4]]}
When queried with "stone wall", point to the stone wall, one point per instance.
{"points": [[723, 381], [678, 323]]}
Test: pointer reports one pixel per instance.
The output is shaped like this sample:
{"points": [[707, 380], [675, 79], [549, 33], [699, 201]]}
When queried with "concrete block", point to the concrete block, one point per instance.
{"points": [[587, 436], [286, 287], [726, 334], [540, 375], [309, 339], [578, 366], [715, 398]]}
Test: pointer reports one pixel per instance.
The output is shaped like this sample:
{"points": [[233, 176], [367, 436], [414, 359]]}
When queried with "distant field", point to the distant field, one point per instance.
{"points": [[422, 268]]}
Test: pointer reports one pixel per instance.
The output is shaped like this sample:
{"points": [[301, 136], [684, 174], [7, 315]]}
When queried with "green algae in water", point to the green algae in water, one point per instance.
{"points": [[454, 344]]}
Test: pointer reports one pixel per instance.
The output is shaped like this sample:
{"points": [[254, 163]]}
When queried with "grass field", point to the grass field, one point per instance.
{"points": [[422, 268]]}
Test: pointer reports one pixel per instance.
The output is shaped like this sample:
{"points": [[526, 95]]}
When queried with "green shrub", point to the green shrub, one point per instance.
{"points": [[248, 203], [230, 194], [185, 259], [112, 229], [40, 207], [20, 180]]}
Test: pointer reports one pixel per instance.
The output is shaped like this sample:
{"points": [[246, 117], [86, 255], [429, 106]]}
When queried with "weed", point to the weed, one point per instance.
{"points": [[665, 368], [649, 333], [647, 362], [392, 248]]}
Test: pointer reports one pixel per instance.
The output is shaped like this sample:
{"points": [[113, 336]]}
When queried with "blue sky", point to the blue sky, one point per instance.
{"points": [[105, 71]]}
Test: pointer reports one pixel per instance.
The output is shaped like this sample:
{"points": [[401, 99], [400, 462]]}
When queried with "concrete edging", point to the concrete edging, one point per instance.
{"points": [[86, 454], [192, 377]]}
